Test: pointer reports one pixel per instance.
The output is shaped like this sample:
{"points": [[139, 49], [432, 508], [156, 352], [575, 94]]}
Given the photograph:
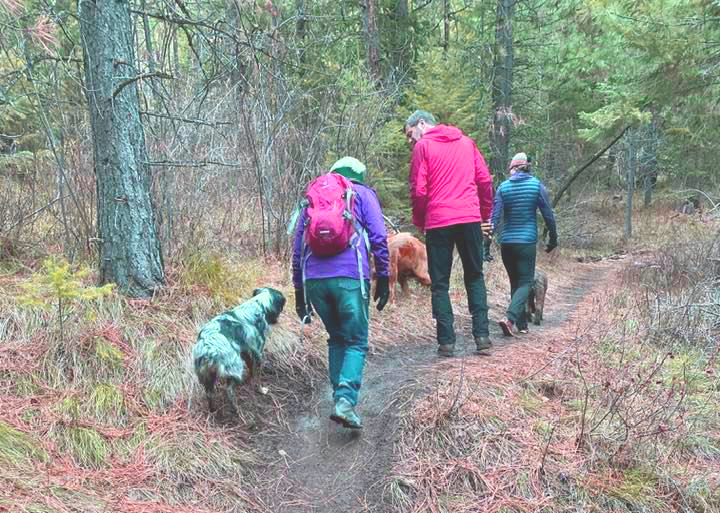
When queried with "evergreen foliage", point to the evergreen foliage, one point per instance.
{"points": [[57, 285]]}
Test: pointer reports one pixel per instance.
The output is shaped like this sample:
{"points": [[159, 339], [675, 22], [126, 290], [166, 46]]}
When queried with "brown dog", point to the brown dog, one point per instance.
{"points": [[408, 259], [536, 298]]}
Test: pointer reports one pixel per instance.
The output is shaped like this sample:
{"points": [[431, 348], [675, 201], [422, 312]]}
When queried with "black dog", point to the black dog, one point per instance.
{"points": [[536, 298], [230, 346]]}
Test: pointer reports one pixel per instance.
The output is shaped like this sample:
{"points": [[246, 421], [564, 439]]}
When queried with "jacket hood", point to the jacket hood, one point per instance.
{"points": [[519, 175], [443, 133]]}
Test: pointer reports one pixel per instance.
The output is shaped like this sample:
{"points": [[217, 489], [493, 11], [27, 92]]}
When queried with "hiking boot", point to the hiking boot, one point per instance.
{"points": [[446, 350], [482, 343], [344, 414], [507, 327]]}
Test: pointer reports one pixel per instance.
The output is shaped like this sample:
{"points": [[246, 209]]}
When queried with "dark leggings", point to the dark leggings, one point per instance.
{"points": [[519, 261]]}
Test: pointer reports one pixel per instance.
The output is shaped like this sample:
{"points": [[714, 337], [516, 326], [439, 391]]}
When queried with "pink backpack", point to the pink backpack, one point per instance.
{"points": [[330, 223]]}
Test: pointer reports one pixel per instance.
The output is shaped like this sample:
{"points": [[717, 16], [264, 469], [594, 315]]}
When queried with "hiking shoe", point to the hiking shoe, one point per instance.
{"points": [[344, 414], [446, 350], [482, 343], [507, 327]]}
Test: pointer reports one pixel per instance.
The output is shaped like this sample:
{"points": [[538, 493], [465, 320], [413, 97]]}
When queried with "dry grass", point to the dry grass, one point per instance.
{"points": [[615, 411], [110, 418]]}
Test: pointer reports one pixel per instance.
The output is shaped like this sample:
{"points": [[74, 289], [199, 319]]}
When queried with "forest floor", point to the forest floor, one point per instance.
{"points": [[611, 404], [326, 468]]}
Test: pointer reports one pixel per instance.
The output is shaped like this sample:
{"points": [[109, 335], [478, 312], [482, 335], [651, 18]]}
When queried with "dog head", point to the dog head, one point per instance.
{"points": [[272, 302]]}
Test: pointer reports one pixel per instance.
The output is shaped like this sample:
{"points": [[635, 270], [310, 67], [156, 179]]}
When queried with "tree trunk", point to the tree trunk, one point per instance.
{"points": [[372, 39], [649, 165], [631, 171], [238, 65], [130, 253], [399, 42], [502, 89], [446, 25]]}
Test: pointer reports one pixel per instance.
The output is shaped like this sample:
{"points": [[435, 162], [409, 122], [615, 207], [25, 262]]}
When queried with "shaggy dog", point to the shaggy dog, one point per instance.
{"points": [[230, 346], [408, 259], [536, 298]]}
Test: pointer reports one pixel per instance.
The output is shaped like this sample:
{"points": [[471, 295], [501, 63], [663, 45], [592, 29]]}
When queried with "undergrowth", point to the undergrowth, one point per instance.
{"points": [[618, 413], [103, 413]]}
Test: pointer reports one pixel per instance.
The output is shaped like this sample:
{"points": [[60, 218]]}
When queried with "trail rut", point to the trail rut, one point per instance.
{"points": [[323, 468]]}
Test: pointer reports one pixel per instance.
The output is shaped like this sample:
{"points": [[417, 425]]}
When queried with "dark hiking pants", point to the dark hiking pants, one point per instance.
{"points": [[344, 312], [519, 261], [440, 244]]}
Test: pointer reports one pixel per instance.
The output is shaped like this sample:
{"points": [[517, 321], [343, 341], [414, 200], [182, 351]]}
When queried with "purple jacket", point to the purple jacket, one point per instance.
{"points": [[369, 215]]}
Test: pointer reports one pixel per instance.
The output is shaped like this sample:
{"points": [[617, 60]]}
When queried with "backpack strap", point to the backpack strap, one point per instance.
{"points": [[304, 257], [360, 236]]}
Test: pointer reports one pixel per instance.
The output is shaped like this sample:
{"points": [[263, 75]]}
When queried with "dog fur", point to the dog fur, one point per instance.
{"points": [[229, 347], [408, 259], [536, 298]]}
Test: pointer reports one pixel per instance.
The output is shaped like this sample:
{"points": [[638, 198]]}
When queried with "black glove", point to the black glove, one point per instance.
{"points": [[552, 243], [382, 291], [304, 311]]}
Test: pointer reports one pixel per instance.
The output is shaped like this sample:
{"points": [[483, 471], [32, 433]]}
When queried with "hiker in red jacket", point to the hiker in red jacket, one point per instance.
{"points": [[451, 196]]}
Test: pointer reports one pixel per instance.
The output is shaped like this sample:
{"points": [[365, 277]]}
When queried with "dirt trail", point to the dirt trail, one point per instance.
{"points": [[324, 468]]}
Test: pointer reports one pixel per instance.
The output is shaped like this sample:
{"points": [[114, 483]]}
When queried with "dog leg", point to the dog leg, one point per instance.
{"points": [[530, 306], [393, 276], [403, 284], [212, 407], [232, 397], [539, 308], [208, 377], [210, 395]]}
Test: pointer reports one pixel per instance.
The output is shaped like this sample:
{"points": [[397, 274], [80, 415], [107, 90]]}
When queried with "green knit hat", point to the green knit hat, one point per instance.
{"points": [[351, 168]]}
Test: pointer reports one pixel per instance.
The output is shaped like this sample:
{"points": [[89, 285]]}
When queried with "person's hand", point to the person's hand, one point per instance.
{"points": [[487, 229], [382, 291], [303, 311], [552, 244]]}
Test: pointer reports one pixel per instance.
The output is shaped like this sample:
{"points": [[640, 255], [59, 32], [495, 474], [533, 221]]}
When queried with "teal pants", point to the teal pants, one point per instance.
{"points": [[468, 240], [519, 261], [344, 312]]}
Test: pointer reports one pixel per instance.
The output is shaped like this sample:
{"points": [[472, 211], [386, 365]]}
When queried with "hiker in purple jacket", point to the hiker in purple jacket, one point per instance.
{"points": [[337, 291]]}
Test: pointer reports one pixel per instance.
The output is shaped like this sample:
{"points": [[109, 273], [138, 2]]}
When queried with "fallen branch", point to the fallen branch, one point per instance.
{"points": [[577, 173], [36, 212], [698, 191]]}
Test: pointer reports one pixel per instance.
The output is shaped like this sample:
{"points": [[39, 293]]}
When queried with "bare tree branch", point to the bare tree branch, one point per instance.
{"points": [[125, 83]]}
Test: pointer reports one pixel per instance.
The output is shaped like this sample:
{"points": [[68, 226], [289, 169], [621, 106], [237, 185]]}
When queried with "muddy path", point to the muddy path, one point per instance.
{"points": [[320, 467]]}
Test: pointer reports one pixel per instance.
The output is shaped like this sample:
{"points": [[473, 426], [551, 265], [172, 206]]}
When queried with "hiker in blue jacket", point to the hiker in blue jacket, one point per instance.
{"points": [[337, 288], [514, 213]]}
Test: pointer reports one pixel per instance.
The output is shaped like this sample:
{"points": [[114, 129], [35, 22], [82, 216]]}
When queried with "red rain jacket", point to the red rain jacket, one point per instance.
{"points": [[449, 180]]}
